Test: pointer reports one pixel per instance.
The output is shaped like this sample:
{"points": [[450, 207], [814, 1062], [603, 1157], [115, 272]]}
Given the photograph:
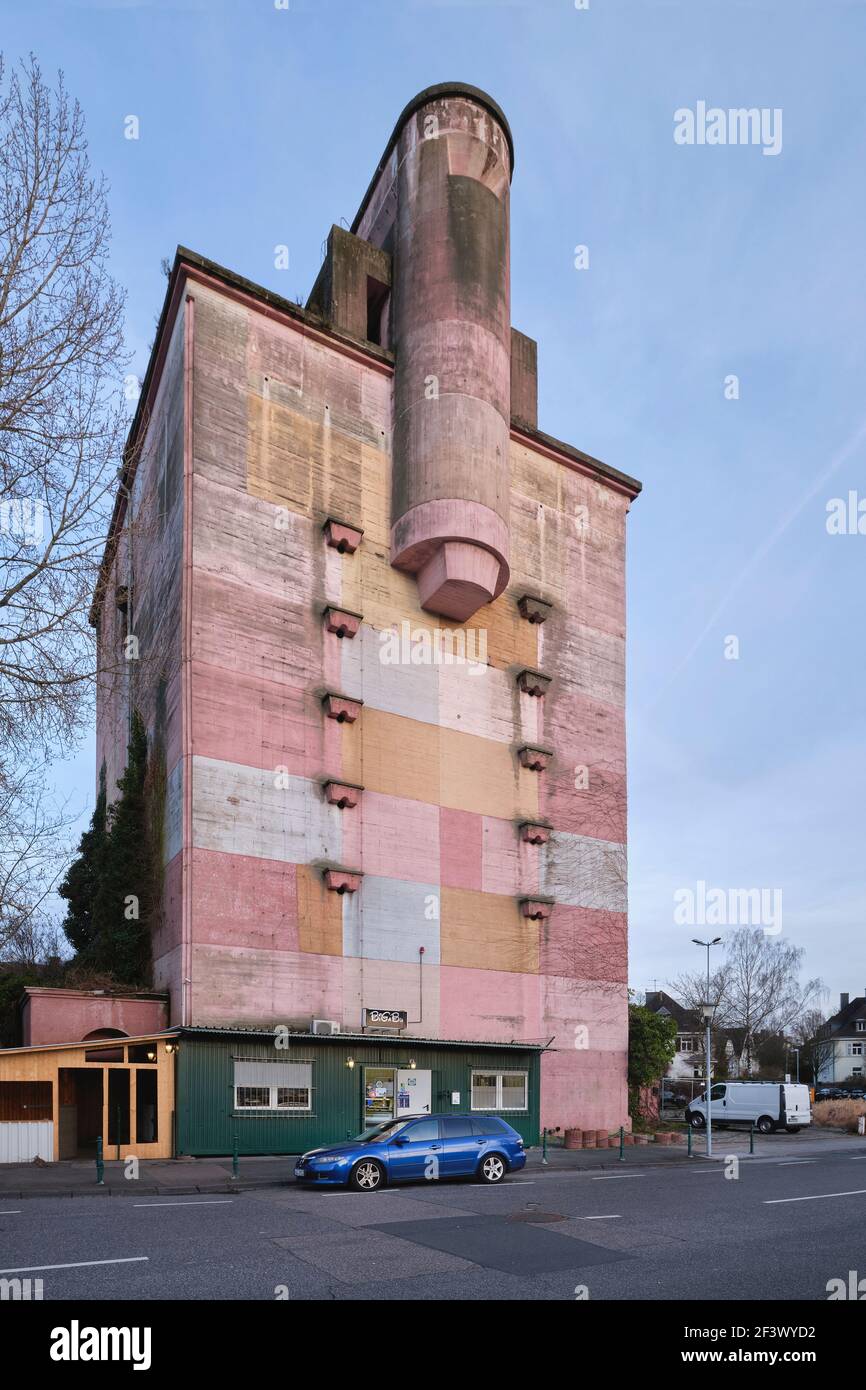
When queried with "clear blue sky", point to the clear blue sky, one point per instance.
{"points": [[262, 126]]}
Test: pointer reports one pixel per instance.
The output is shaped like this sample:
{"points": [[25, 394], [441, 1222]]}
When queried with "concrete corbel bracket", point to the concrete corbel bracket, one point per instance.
{"points": [[533, 683], [342, 621], [536, 759], [536, 909], [341, 536], [342, 708], [534, 833], [346, 795], [534, 610], [342, 880]]}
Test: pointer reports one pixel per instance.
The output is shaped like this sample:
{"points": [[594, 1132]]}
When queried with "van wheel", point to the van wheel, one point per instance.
{"points": [[492, 1168], [697, 1121], [765, 1125], [367, 1175]]}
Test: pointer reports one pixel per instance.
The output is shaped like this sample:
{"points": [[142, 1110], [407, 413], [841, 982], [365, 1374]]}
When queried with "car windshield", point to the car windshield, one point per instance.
{"points": [[382, 1133]]}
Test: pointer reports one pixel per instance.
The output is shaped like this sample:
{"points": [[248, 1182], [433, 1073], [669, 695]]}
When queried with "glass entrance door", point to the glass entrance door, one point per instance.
{"points": [[379, 1095]]}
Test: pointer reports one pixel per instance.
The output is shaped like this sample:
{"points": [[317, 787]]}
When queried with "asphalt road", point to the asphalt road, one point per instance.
{"points": [[780, 1229]]}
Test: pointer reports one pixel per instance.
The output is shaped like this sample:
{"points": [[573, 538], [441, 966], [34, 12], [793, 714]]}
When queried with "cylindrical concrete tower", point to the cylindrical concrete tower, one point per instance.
{"points": [[440, 204]]}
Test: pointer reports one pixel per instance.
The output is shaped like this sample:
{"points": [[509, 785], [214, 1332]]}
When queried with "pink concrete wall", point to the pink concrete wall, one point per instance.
{"points": [[286, 431], [151, 557], [59, 1016], [266, 476]]}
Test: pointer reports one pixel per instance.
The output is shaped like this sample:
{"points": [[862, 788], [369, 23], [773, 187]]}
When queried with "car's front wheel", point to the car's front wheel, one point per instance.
{"points": [[492, 1169], [367, 1175]]}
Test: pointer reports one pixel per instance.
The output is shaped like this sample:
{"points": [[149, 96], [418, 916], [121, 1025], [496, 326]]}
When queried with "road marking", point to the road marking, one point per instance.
{"points": [[11, 1213], [209, 1202], [789, 1162], [79, 1264], [599, 1218], [607, 1177], [374, 1192], [820, 1197]]}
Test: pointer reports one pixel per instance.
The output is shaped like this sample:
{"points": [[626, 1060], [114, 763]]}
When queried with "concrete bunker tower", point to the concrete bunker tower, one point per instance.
{"points": [[439, 204]]}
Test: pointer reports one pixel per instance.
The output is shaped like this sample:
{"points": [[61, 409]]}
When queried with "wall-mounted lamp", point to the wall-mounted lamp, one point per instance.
{"points": [[350, 1062], [412, 1063], [151, 1055], [171, 1047]]}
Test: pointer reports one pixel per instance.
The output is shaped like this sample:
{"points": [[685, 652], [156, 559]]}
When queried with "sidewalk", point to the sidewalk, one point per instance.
{"points": [[193, 1176]]}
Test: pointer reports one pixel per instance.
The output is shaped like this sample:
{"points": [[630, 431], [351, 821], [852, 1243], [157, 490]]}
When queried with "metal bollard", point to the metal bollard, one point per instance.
{"points": [[752, 1137], [100, 1166], [235, 1162], [622, 1143], [689, 1132], [544, 1145]]}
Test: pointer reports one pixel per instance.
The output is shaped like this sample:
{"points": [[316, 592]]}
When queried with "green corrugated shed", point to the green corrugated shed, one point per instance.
{"points": [[207, 1123]]}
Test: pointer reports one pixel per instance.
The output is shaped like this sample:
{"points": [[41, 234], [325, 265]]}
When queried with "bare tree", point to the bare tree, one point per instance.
{"points": [[817, 1046], [61, 424], [765, 993], [61, 357], [756, 990], [33, 844]]}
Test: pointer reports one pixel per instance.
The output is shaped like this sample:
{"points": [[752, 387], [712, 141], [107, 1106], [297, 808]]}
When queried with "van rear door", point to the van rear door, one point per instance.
{"points": [[797, 1104]]}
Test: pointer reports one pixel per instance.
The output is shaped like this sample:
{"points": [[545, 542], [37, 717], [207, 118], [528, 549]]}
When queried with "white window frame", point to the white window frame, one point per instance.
{"points": [[498, 1073], [855, 1049], [860, 1025], [685, 1044], [273, 1089], [245, 1087]]}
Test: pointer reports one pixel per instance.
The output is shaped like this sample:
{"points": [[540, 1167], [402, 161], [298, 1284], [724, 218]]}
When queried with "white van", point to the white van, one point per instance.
{"points": [[768, 1105]]}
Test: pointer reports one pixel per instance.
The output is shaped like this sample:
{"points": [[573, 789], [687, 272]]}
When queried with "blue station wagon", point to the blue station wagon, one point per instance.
{"points": [[417, 1147]]}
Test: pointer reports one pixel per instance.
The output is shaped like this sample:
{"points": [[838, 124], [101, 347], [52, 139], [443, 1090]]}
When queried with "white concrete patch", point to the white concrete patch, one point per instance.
{"points": [[390, 919], [584, 872], [256, 812]]}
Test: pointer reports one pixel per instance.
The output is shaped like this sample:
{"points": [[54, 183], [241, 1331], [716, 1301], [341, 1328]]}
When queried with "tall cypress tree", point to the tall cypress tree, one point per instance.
{"points": [[83, 875], [125, 892]]}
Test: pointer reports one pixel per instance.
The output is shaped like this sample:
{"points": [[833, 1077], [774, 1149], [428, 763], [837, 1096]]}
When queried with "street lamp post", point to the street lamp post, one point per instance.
{"points": [[707, 1014]]}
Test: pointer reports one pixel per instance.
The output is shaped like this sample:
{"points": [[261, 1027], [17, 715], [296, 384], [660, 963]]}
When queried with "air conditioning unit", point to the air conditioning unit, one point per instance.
{"points": [[325, 1025]]}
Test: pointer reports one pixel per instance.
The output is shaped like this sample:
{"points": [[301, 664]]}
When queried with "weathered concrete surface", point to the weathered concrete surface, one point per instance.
{"points": [[285, 427], [65, 1015]]}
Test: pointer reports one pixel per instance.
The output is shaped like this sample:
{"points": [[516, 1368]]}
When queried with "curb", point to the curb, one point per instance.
{"points": [[132, 1189]]}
